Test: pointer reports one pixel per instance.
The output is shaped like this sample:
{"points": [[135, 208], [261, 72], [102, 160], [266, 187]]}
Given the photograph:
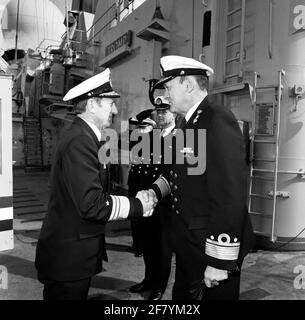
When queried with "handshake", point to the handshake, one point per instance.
{"points": [[149, 201]]}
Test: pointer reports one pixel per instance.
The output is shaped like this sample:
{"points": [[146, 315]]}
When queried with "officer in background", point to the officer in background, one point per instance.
{"points": [[142, 123], [166, 121], [212, 232], [142, 174], [141, 177]]}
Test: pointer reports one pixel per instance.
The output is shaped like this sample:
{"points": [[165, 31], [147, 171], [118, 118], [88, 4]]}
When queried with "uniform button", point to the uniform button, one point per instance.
{"points": [[172, 194], [156, 169], [154, 176], [178, 212], [175, 200], [173, 206], [176, 187], [147, 166], [171, 173], [139, 171], [171, 184], [145, 172], [176, 176]]}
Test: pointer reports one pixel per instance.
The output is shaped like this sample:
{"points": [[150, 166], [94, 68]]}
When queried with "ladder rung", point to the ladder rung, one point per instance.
{"points": [[264, 170], [260, 214], [33, 151], [264, 160], [261, 196], [231, 44], [262, 178], [232, 75], [234, 27], [232, 59], [264, 234], [265, 141], [272, 86], [230, 13]]}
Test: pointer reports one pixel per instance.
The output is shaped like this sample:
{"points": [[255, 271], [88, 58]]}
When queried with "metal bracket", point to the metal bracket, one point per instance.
{"points": [[301, 173], [280, 194]]}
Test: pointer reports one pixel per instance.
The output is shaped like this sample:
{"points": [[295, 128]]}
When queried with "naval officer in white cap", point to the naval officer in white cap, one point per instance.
{"points": [[211, 229], [71, 245]]}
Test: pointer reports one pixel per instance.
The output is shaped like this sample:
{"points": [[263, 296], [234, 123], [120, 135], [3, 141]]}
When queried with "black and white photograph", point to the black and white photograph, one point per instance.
{"points": [[152, 153]]}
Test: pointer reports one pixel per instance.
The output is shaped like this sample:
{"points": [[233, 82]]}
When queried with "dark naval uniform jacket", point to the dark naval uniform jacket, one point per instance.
{"points": [[211, 206], [71, 245], [147, 166], [145, 170]]}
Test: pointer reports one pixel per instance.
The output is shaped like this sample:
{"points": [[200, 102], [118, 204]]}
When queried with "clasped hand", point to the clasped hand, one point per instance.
{"points": [[149, 201]]}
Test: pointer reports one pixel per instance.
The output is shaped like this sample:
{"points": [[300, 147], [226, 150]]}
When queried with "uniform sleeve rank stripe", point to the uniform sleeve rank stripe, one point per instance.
{"points": [[114, 208], [164, 187], [120, 208], [224, 251]]}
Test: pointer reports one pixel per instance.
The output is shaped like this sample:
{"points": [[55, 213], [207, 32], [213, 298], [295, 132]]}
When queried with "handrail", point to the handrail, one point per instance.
{"points": [[108, 23], [279, 101], [270, 33], [252, 135], [67, 24], [102, 16], [242, 37]]}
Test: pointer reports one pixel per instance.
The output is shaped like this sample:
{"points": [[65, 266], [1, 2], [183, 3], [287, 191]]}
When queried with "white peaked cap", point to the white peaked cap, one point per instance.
{"points": [[178, 66], [96, 86]]}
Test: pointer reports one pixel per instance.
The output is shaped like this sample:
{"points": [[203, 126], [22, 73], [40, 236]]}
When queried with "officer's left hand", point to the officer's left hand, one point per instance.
{"points": [[213, 276]]}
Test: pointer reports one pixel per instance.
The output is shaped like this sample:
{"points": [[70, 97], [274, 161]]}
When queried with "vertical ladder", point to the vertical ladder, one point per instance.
{"points": [[33, 151], [235, 40], [264, 173]]}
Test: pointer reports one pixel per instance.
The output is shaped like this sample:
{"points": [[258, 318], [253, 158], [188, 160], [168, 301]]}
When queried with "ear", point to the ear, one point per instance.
{"points": [[91, 106], [190, 84]]}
